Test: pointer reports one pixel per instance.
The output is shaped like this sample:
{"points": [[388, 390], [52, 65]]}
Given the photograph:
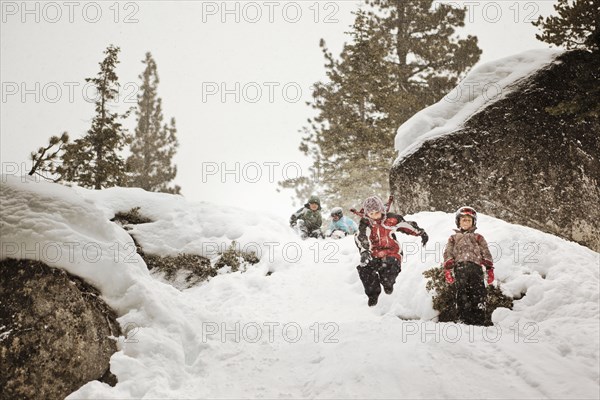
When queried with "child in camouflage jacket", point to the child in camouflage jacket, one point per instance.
{"points": [[309, 219]]}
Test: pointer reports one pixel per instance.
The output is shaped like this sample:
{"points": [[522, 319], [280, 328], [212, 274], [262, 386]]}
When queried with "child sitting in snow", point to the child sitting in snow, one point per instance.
{"points": [[340, 225], [308, 219], [466, 254], [380, 254]]}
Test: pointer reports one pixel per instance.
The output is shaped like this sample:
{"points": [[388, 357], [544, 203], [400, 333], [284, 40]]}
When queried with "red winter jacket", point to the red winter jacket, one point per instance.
{"points": [[379, 236]]}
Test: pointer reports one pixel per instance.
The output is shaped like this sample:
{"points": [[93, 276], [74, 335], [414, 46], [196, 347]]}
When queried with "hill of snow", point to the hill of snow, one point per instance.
{"points": [[305, 330]]}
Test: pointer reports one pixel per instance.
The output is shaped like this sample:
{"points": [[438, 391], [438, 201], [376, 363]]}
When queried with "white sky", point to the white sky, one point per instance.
{"points": [[265, 53]]}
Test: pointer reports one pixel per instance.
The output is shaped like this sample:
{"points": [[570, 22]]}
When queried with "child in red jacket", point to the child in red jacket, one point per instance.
{"points": [[380, 254]]}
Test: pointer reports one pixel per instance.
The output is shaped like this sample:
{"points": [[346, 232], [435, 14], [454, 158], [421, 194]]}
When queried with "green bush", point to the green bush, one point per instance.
{"points": [[444, 297], [186, 270], [195, 267], [132, 216], [236, 259]]}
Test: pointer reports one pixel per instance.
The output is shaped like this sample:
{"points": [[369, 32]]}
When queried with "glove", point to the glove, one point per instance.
{"points": [[424, 238], [490, 275], [365, 257], [449, 277], [449, 264], [317, 234]]}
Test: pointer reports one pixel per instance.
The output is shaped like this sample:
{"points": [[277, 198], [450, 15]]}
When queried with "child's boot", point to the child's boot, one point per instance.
{"points": [[373, 300]]}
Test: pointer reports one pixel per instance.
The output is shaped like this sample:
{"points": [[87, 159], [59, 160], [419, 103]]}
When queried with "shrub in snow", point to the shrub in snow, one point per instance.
{"points": [[236, 259], [132, 216], [495, 299], [182, 271], [444, 297], [186, 270]]}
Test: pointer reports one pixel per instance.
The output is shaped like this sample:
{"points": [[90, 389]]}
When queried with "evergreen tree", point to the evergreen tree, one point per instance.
{"points": [[403, 57], [45, 160], [93, 160], [577, 25], [303, 186], [154, 144]]}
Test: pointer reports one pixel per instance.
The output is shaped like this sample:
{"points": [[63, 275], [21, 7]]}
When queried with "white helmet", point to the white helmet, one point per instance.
{"points": [[337, 211], [465, 211]]}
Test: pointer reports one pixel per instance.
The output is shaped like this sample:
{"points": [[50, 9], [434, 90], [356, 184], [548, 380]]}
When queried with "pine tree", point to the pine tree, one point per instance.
{"points": [[577, 25], [45, 160], [94, 160], [154, 144], [402, 57], [303, 186]]}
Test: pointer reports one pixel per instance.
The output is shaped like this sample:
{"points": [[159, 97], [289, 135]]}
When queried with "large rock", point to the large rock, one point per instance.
{"points": [[55, 332], [517, 161]]}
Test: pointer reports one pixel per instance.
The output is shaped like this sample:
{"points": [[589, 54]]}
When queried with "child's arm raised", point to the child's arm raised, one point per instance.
{"points": [[398, 223]]}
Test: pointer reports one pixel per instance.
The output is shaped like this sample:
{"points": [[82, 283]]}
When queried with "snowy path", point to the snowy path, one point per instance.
{"points": [[305, 331], [367, 354]]}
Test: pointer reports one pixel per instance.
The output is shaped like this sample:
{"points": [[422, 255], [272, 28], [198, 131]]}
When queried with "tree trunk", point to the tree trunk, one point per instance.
{"points": [[402, 37], [99, 137]]}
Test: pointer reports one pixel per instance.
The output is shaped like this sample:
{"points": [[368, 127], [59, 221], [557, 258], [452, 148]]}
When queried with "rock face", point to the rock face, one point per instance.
{"points": [[517, 160], [54, 332]]}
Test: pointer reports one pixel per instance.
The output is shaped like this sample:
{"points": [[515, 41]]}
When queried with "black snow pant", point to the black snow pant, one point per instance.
{"points": [[378, 272], [470, 293]]}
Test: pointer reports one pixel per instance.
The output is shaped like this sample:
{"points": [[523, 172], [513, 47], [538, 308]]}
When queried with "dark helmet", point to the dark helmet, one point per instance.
{"points": [[314, 199], [468, 211], [337, 211]]}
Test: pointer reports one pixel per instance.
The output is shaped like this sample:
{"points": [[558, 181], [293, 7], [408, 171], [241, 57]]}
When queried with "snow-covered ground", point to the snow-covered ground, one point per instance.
{"points": [[305, 330], [479, 89]]}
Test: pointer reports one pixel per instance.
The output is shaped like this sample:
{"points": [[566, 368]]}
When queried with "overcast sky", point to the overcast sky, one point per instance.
{"points": [[235, 75]]}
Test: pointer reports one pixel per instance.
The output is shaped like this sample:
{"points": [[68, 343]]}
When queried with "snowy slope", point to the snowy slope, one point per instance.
{"points": [[305, 330], [479, 89]]}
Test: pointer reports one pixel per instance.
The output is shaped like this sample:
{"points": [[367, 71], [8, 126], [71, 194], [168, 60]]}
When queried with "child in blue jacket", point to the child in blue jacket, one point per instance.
{"points": [[340, 226]]}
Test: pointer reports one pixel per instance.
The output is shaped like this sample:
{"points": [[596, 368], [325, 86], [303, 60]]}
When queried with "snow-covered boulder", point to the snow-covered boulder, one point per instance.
{"points": [[495, 143]]}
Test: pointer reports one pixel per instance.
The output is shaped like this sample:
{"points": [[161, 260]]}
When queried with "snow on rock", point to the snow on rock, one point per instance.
{"points": [[305, 331], [482, 86], [54, 224]]}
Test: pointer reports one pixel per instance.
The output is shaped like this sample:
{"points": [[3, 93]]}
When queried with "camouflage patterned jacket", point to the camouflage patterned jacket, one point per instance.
{"points": [[468, 246], [312, 219]]}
